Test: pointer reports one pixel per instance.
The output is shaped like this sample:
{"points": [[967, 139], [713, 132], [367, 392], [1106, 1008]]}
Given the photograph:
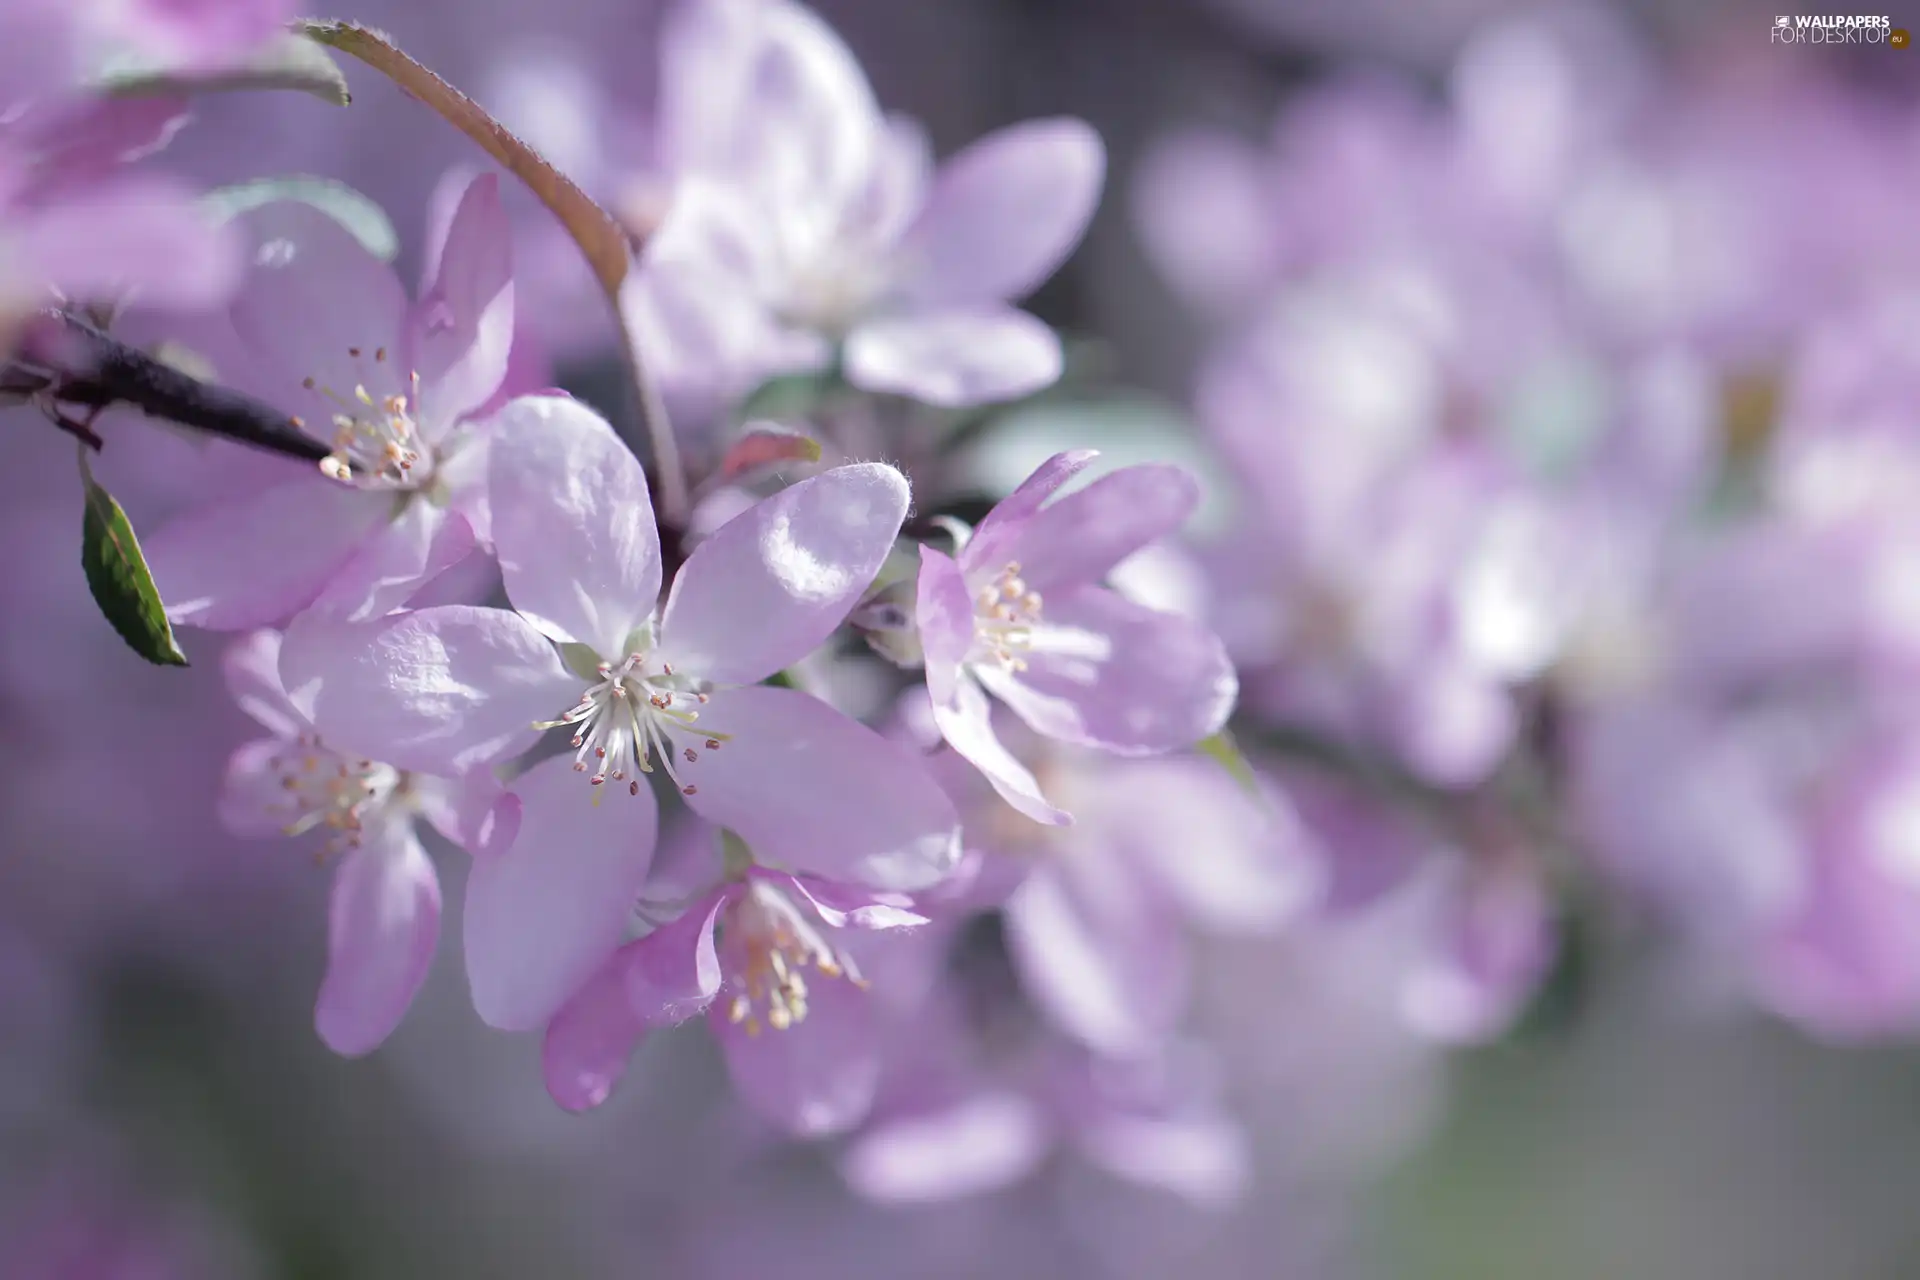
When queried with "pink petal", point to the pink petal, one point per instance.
{"points": [[590, 1040], [1227, 860], [1206, 218], [769, 96], [400, 558], [674, 972], [811, 791], [993, 542], [1204, 1158], [1004, 213], [464, 320], [317, 305], [474, 810], [251, 665], [438, 691], [817, 1077], [381, 931], [572, 523], [1105, 963], [1105, 672], [896, 187], [544, 915], [844, 906], [127, 234], [257, 559], [943, 612], [774, 582], [954, 358], [1080, 538], [967, 725], [1451, 723], [981, 1144], [252, 800]]}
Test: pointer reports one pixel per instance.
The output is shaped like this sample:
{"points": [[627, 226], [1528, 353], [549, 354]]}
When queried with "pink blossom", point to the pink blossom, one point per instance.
{"points": [[1020, 613], [638, 687], [390, 384], [803, 220], [384, 921], [770, 959]]}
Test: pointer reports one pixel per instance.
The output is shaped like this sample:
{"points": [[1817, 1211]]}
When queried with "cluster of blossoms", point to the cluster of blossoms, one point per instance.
{"points": [[1573, 434], [783, 761], [1568, 553]]}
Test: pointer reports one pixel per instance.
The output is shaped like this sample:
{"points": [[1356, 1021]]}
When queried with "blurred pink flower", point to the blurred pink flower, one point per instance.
{"points": [[800, 219]]}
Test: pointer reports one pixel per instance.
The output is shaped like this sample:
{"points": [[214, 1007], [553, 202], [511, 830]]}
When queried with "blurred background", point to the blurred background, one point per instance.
{"points": [[1643, 268]]}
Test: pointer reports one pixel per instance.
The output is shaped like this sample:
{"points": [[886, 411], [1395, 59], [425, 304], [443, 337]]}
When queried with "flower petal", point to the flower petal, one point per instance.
{"points": [[474, 810], [1105, 672], [398, 559], [772, 583], [954, 358], [980, 1144], [1004, 213], [253, 802], [317, 305], [1078, 540], [438, 691], [572, 523], [1095, 952], [258, 559], [844, 906], [967, 725], [815, 1078], [590, 1040], [251, 666], [674, 972], [992, 543], [125, 234], [381, 931], [1203, 1157], [463, 323], [769, 96], [943, 612], [544, 915], [811, 791], [1229, 861]]}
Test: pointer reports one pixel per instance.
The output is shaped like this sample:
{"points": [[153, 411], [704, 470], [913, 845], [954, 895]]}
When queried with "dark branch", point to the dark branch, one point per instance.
{"points": [[98, 371]]}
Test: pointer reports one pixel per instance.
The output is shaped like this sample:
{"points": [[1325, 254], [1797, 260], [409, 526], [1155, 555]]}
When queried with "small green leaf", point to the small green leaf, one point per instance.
{"points": [[118, 577], [364, 220], [1223, 749], [286, 62]]}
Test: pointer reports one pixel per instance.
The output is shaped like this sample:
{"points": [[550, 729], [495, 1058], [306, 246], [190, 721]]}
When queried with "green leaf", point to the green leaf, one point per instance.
{"points": [[118, 577], [364, 220], [287, 62], [1226, 752]]}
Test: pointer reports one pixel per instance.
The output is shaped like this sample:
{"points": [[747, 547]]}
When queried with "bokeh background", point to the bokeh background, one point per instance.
{"points": [[166, 1111]]}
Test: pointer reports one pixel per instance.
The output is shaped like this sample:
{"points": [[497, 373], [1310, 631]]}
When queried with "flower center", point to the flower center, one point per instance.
{"points": [[767, 947], [322, 788], [376, 443], [1005, 613], [831, 294], [620, 722]]}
